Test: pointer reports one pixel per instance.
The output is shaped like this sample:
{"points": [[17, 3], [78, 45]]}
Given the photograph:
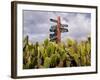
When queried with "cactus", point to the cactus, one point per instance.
{"points": [[50, 54], [47, 62]]}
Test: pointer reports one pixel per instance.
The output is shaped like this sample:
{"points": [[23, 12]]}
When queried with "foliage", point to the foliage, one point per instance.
{"points": [[50, 54]]}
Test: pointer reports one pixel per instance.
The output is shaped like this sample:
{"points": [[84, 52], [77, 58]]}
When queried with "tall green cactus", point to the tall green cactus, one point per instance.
{"points": [[50, 54], [47, 62]]}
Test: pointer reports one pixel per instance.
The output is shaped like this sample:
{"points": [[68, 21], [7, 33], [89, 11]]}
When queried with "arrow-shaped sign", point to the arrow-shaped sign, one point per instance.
{"points": [[63, 25], [52, 36], [63, 30], [53, 20], [53, 28]]}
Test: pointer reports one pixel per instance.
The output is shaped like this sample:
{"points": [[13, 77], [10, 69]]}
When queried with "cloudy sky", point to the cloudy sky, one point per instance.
{"points": [[37, 24]]}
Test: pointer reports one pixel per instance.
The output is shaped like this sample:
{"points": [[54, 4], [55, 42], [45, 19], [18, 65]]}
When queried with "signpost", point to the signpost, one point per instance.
{"points": [[57, 30], [63, 25]]}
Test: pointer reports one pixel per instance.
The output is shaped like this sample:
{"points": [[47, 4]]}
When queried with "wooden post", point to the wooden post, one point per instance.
{"points": [[58, 40]]}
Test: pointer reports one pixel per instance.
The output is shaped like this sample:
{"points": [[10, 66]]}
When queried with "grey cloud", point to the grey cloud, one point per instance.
{"points": [[37, 24]]}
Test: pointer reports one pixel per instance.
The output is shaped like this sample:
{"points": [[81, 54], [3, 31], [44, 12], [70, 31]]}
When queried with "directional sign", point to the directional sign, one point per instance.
{"points": [[52, 36], [53, 28], [56, 30], [64, 25], [63, 30], [53, 20]]}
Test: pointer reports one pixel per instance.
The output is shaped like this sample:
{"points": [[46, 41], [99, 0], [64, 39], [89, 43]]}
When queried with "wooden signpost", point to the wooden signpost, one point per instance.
{"points": [[57, 30]]}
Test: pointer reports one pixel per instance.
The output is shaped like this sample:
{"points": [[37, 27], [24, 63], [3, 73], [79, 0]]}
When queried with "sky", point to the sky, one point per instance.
{"points": [[36, 25]]}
